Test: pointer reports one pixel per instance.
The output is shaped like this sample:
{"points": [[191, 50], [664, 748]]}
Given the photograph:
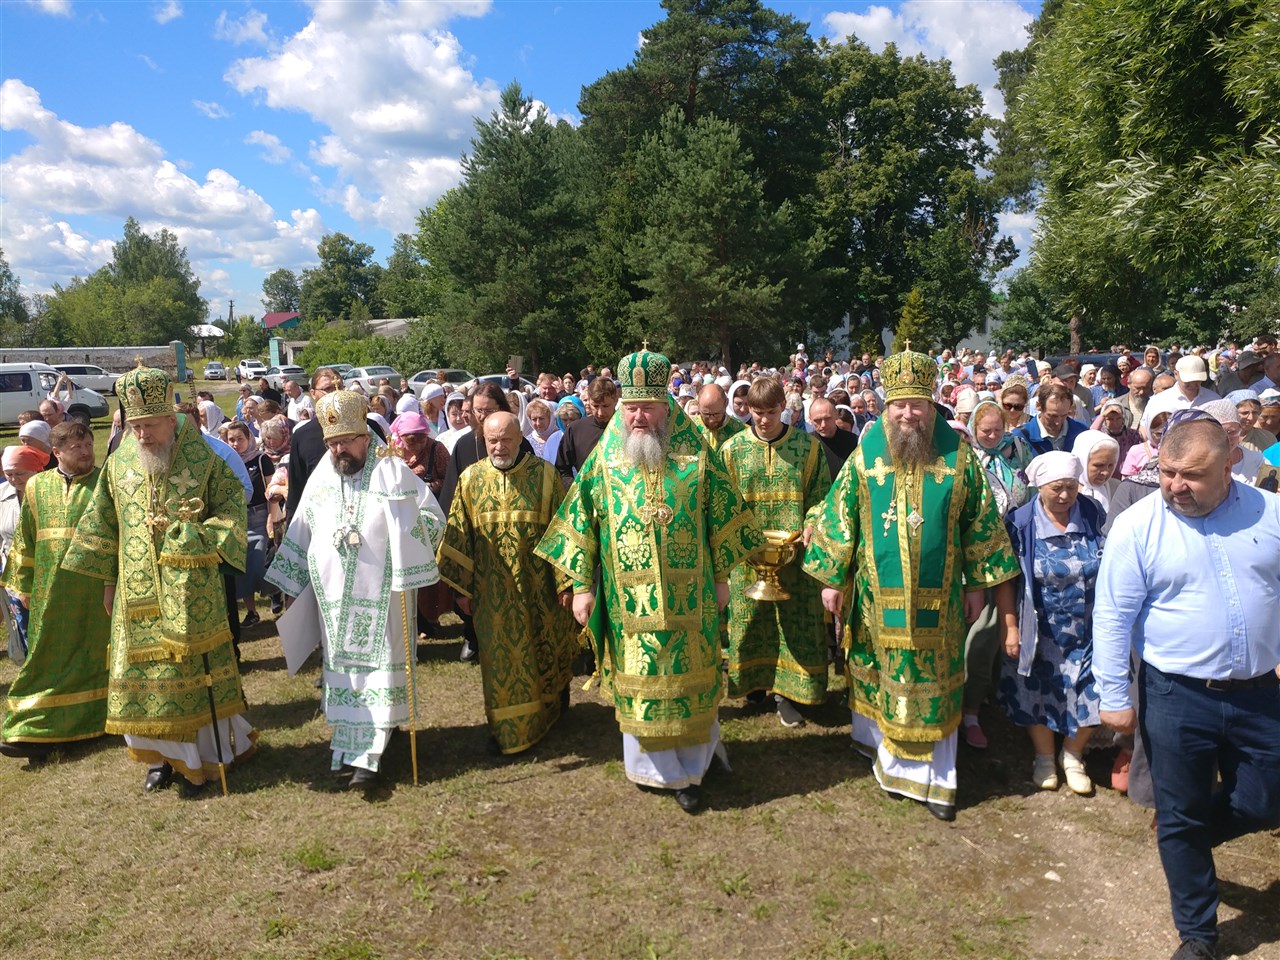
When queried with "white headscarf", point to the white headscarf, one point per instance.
{"points": [[213, 415], [732, 390], [1083, 448], [1051, 467], [408, 403]]}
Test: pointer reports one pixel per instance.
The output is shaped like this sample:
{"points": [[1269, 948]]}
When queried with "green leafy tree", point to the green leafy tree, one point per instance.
{"points": [[401, 287], [1157, 158], [900, 199], [503, 250], [736, 60], [16, 326], [281, 291], [346, 273], [1029, 316], [914, 325], [711, 253]]}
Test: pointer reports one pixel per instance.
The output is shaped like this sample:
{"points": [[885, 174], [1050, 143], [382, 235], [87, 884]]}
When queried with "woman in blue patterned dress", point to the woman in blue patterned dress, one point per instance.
{"points": [[1046, 683]]}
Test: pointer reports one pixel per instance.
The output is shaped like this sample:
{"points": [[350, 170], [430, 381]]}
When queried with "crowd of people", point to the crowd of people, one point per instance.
{"points": [[964, 531]]}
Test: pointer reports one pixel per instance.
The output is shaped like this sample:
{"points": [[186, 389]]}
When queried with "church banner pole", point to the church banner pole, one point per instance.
{"points": [[409, 660], [213, 715]]}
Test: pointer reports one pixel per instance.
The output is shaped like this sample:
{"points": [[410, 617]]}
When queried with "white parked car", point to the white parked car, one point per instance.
{"points": [[276, 376], [24, 385], [370, 378], [87, 375], [251, 369]]}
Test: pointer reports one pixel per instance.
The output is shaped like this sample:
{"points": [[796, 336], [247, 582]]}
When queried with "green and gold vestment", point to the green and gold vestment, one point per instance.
{"points": [[527, 640], [717, 438], [165, 542], [781, 646], [60, 693], [910, 545], [662, 541]]}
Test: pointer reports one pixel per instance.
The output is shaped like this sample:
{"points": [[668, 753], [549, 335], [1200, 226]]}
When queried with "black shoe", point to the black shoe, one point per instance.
{"points": [[277, 603], [469, 653], [363, 777], [190, 791], [1195, 950], [945, 812], [756, 698], [25, 751], [788, 715], [250, 620], [158, 778], [564, 698], [689, 799]]}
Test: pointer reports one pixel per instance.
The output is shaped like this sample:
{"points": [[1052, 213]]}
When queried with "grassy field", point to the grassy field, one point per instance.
{"points": [[555, 854]]}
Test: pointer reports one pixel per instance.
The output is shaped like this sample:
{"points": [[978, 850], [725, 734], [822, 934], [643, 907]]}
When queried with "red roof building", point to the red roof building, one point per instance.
{"points": [[285, 320]]}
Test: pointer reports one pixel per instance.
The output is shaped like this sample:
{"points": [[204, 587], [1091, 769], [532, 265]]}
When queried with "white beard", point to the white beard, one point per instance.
{"points": [[156, 462], [648, 449]]}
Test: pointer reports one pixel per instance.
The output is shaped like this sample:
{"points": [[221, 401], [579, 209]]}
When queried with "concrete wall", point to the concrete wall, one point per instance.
{"points": [[111, 359]]}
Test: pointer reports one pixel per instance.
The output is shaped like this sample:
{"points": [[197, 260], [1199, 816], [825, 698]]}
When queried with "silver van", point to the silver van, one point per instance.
{"points": [[24, 385]]}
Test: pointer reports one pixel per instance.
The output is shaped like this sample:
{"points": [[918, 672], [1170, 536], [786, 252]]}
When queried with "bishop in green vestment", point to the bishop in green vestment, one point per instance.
{"points": [[777, 647], [60, 694], [527, 639], [167, 518], [654, 514], [912, 530]]}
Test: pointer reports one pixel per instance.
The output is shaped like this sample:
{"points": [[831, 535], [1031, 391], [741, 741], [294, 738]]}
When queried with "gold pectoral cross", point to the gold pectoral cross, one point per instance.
{"points": [[890, 516]]}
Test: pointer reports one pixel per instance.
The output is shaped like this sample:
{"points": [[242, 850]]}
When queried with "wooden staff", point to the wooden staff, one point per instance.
{"points": [[409, 659]]}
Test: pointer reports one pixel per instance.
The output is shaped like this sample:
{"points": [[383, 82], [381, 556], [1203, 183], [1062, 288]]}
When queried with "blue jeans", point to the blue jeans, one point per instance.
{"points": [[1191, 733]]}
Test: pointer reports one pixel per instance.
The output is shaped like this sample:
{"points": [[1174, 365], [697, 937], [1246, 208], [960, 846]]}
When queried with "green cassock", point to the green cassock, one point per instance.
{"points": [[716, 439], [527, 640], [778, 646], [909, 546], [662, 541], [60, 693], [165, 545]]}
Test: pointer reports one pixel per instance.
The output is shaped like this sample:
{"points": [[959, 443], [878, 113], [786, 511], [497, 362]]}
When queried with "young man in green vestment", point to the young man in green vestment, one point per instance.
{"points": [[655, 515], [527, 638], [777, 648], [912, 530], [60, 694], [167, 518]]}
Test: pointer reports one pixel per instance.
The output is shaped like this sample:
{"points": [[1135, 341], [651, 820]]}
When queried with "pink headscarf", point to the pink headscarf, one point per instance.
{"points": [[408, 423]]}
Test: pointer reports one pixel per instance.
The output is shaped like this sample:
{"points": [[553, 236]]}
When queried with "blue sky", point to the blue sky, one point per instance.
{"points": [[252, 129]]}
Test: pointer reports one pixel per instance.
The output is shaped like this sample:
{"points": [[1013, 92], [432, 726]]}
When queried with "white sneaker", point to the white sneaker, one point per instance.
{"points": [[1044, 774], [1077, 780]]}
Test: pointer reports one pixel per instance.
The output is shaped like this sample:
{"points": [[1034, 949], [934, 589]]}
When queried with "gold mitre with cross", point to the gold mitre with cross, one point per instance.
{"points": [[908, 376], [145, 392], [342, 414], [643, 375]]}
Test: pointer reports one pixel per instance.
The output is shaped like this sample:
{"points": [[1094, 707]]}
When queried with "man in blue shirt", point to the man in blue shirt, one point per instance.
{"points": [[1192, 579], [1052, 428]]}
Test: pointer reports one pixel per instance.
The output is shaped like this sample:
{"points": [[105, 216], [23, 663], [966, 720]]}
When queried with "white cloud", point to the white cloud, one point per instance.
{"points": [[251, 28], [969, 33], [211, 109], [165, 12], [69, 176], [55, 8], [391, 86], [150, 63], [273, 150]]}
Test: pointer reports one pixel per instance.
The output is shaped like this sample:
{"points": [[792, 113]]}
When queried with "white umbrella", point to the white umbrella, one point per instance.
{"points": [[206, 330]]}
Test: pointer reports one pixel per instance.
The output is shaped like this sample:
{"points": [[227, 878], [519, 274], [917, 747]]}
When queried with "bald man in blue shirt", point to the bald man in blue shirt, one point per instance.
{"points": [[1192, 580]]}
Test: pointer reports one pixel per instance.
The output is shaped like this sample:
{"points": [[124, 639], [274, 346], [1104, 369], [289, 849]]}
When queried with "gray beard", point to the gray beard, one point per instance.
{"points": [[156, 462], [910, 448], [648, 449], [1137, 405]]}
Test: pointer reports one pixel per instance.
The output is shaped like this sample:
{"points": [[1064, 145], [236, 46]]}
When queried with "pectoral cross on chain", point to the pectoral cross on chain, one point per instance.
{"points": [[890, 516]]}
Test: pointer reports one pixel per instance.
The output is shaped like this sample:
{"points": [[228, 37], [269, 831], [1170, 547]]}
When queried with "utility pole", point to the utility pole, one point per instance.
{"points": [[231, 313]]}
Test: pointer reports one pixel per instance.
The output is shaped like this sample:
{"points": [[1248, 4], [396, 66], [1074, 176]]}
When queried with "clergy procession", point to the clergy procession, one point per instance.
{"points": [[975, 542]]}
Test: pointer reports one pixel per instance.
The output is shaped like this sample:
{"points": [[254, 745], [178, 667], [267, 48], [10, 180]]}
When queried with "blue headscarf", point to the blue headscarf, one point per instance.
{"points": [[582, 411]]}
